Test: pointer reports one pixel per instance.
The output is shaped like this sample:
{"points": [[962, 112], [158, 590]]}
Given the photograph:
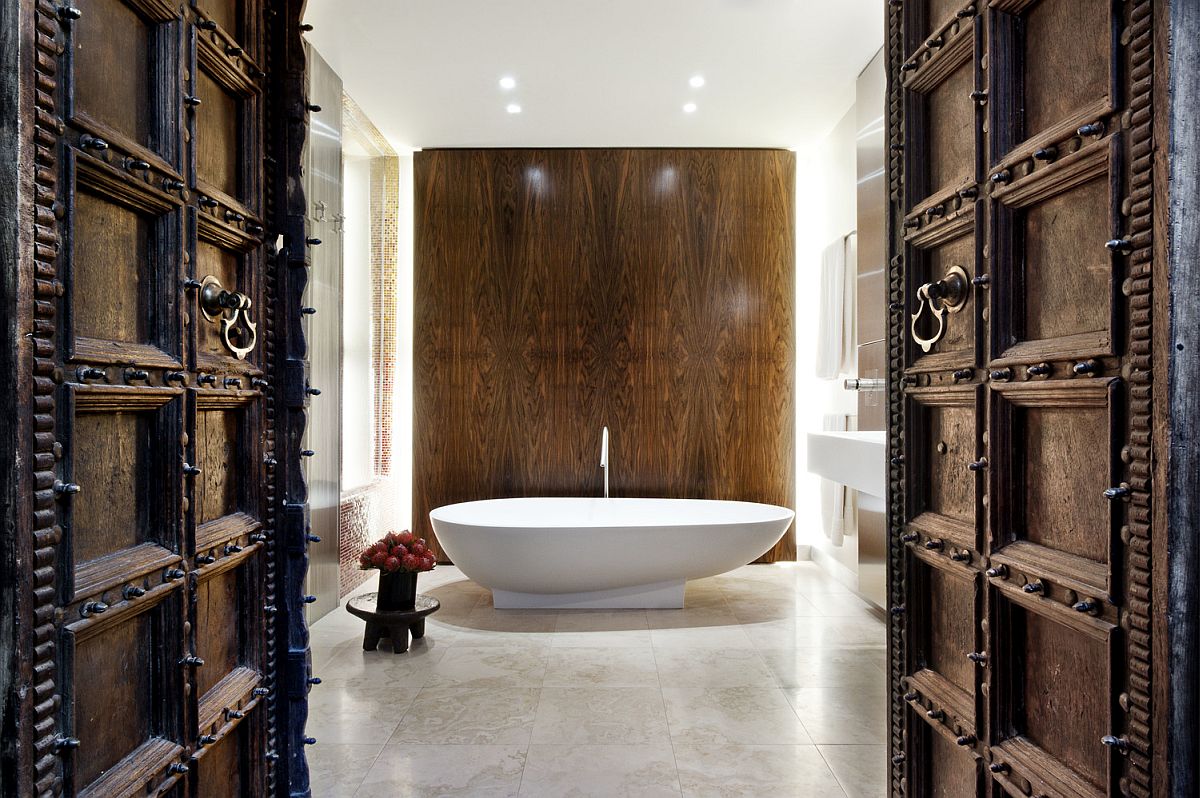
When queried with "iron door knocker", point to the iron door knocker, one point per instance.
{"points": [[947, 295], [228, 307]]}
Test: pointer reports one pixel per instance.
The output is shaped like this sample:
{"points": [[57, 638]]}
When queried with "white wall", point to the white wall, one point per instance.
{"points": [[825, 212], [357, 383]]}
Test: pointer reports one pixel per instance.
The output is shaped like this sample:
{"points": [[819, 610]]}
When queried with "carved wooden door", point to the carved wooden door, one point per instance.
{"points": [[161, 573], [1020, 179]]}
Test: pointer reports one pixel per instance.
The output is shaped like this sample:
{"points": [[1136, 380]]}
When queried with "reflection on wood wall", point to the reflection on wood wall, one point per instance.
{"points": [[557, 291]]}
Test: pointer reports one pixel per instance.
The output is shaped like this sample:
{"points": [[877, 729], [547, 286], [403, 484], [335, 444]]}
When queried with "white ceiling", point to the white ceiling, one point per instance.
{"points": [[596, 73]]}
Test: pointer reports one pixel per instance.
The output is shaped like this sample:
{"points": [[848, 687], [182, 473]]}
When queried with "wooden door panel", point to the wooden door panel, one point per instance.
{"points": [[218, 136], [949, 609], [229, 14], [946, 769], [1054, 683], [219, 634], [217, 492], [945, 431], [119, 693], [111, 270], [162, 591], [113, 721], [951, 114], [221, 767], [1056, 282], [1058, 270], [112, 39], [1063, 480], [125, 240], [1021, 151], [108, 451], [1065, 52]]}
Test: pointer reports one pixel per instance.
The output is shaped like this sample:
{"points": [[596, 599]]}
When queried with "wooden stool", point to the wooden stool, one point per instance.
{"points": [[396, 624]]}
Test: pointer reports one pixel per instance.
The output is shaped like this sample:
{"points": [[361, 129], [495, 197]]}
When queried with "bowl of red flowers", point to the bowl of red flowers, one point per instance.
{"points": [[399, 557]]}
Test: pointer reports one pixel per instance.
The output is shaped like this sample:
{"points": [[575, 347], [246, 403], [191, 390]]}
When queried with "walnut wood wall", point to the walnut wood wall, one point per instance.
{"points": [[558, 291]]}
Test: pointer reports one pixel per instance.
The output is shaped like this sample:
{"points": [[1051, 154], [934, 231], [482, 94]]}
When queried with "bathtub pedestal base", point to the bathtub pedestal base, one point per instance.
{"points": [[659, 596]]}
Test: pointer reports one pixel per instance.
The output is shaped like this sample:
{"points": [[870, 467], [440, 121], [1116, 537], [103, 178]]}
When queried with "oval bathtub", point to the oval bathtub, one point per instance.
{"points": [[580, 553]]}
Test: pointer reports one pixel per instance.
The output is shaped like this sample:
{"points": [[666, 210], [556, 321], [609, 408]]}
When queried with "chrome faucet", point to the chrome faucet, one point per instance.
{"points": [[604, 459]]}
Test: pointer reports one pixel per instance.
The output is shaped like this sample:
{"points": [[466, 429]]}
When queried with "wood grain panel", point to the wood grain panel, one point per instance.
{"points": [[112, 263], [558, 291], [112, 39], [113, 713], [218, 137], [110, 455], [1065, 509], [952, 446], [1062, 720], [1048, 26], [218, 631], [1065, 261], [216, 454]]}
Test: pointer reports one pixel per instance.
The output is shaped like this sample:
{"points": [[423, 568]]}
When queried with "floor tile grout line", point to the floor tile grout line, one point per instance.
{"points": [[667, 718]]}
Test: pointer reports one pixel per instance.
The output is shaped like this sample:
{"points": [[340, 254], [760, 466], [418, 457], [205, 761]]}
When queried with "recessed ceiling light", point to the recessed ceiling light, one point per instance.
{"points": [[513, 108], [507, 83], [696, 81], [689, 108]]}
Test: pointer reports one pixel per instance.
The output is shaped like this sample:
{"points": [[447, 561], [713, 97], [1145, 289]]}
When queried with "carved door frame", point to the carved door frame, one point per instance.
{"points": [[33, 485], [1153, 631]]}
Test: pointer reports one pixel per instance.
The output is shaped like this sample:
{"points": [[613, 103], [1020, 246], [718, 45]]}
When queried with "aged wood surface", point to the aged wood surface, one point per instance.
{"points": [[1021, 489], [559, 291], [131, 626]]}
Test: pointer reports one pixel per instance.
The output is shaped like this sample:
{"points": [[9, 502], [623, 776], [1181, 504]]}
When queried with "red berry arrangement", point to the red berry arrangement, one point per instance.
{"points": [[397, 552]]}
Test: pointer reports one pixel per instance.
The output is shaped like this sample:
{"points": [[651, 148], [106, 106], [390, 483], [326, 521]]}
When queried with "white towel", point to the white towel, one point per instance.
{"points": [[834, 496], [835, 328]]}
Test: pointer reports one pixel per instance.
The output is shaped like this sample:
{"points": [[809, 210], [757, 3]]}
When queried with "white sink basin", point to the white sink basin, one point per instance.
{"points": [[853, 459]]}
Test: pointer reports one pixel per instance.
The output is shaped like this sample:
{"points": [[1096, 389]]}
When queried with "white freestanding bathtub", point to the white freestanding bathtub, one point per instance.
{"points": [[587, 553]]}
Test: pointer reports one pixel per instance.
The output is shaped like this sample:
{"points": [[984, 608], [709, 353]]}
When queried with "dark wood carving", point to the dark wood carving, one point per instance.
{"points": [[1020, 494], [558, 291], [145, 657]]}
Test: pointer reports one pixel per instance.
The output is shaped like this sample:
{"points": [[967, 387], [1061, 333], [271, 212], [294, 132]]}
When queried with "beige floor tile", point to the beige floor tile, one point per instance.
{"points": [[714, 635], [469, 716], [738, 715], [489, 666], [600, 716], [600, 620], [755, 771], [711, 667], [424, 771], [600, 771], [344, 716], [634, 667], [826, 667], [860, 769], [335, 771], [842, 716], [630, 638]]}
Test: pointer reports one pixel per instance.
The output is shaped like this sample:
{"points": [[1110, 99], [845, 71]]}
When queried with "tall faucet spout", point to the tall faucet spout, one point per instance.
{"points": [[604, 458]]}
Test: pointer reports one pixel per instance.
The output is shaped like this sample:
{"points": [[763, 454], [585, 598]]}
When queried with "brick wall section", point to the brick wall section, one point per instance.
{"points": [[366, 515], [385, 256]]}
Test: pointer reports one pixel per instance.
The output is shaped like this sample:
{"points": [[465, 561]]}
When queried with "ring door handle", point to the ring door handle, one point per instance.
{"points": [[242, 312], [229, 308], [938, 313], [947, 295]]}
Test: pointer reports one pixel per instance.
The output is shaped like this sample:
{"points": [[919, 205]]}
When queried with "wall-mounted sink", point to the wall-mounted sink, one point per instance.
{"points": [[853, 459]]}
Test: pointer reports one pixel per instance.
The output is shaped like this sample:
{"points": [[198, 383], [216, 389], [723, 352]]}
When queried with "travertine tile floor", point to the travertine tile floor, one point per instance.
{"points": [[770, 683]]}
